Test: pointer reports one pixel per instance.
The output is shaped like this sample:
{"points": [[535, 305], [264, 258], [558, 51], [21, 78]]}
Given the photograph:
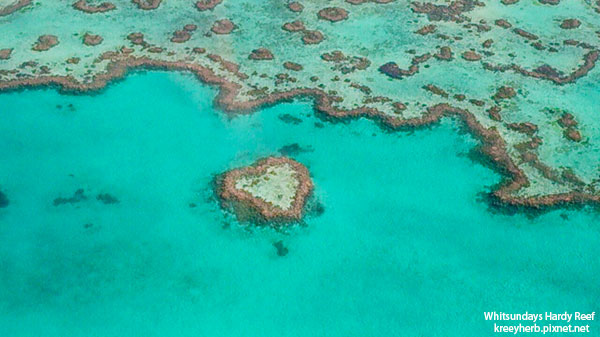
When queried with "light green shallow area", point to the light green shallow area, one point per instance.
{"points": [[404, 247]]}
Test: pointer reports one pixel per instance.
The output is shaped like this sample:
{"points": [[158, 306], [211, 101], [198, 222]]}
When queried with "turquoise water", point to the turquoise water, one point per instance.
{"points": [[403, 248]]}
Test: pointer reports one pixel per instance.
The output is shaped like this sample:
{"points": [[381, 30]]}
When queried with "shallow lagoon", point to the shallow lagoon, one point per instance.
{"points": [[403, 248]]}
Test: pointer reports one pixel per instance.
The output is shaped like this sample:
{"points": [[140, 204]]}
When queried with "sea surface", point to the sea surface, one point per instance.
{"points": [[405, 245]]}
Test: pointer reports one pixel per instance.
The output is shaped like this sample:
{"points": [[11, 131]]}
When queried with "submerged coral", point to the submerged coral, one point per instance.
{"points": [[3, 200]]}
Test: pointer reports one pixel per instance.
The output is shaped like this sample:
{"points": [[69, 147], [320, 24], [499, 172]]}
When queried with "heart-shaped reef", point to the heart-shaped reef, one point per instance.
{"points": [[272, 190]]}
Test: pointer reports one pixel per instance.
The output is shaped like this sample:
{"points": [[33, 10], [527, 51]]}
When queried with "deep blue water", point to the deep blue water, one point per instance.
{"points": [[403, 248]]}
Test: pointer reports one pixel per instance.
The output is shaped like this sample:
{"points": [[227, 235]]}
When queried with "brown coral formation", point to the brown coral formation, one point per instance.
{"points": [[155, 50], [470, 55], [147, 4], [569, 124], [204, 5], [346, 64], [137, 39], [526, 128], [333, 14], [223, 27], [392, 70], [243, 201], [181, 36], [45, 42], [494, 113], [445, 54], [261, 54], [502, 23], [426, 30], [92, 40], [504, 92], [292, 66], [84, 6], [436, 90], [570, 24], [452, 12], [190, 27], [525, 34], [567, 120], [312, 37], [548, 73], [360, 2], [572, 134], [5, 53], [294, 26], [550, 2], [15, 6], [295, 6]]}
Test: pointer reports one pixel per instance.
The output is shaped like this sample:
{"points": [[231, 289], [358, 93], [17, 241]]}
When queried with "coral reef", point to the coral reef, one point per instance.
{"points": [[92, 39], [4, 202], [78, 196], [204, 5], [274, 189], [13, 6], [147, 4], [222, 27], [45, 42], [84, 6]]}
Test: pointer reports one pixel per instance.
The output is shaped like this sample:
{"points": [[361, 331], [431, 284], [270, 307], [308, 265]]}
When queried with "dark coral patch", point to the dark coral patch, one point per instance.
{"points": [[426, 30], [92, 40], [295, 6], [261, 54], [15, 6], [312, 37], [550, 2], [504, 92], [294, 26], [570, 24], [147, 4], [445, 54], [4, 202], [292, 66], [5, 53], [470, 55], [84, 6], [525, 34], [181, 36], [204, 5], [281, 249], [107, 199], [136, 38], [223, 27], [333, 14], [502, 23], [294, 149], [45, 42], [78, 196], [190, 27], [289, 119], [452, 12]]}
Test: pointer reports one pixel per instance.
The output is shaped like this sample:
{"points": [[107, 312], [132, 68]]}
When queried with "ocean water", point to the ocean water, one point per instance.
{"points": [[405, 245]]}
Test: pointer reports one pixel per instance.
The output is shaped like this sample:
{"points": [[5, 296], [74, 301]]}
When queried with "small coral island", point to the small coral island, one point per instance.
{"points": [[272, 190]]}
